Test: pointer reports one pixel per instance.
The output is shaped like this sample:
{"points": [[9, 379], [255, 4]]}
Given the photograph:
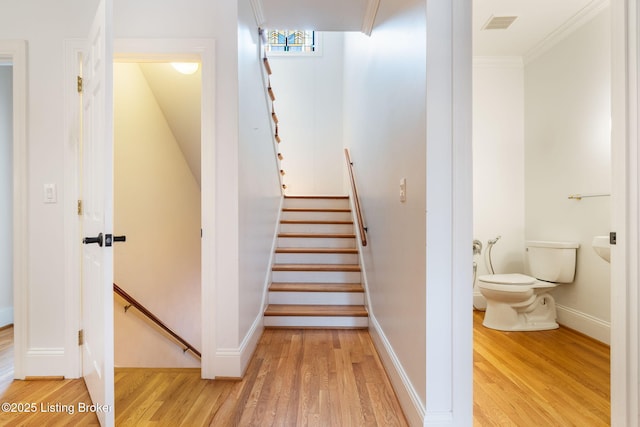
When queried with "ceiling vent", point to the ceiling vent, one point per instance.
{"points": [[499, 22]]}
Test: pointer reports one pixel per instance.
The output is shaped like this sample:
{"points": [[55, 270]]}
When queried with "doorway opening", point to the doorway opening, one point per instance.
{"points": [[541, 136], [6, 223], [157, 204]]}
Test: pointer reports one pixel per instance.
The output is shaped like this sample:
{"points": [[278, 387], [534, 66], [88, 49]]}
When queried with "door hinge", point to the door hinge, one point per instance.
{"points": [[79, 207], [613, 238], [79, 82], [81, 337]]}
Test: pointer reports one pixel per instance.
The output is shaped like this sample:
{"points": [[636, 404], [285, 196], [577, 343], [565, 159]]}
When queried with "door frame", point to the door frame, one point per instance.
{"points": [[16, 52], [625, 272], [202, 50], [139, 50], [456, 405]]}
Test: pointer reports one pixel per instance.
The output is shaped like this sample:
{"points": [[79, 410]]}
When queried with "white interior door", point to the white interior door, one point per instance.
{"points": [[97, 215]]}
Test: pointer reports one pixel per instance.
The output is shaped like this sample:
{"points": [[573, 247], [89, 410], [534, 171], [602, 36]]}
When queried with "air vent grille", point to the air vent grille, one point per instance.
{"points": [[499, 22]]}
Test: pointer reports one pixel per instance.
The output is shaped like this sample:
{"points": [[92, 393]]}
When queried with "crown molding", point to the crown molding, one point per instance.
{"points": [[585, 15], [258, 12], [370, 16]]}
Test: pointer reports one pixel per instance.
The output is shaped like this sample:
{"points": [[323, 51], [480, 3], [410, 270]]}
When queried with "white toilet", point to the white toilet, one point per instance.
{"points": [[517, 302]]}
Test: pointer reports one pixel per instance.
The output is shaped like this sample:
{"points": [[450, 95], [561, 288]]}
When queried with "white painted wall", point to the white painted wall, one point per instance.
{"points": [[46, 304], [6, 195], [258, 185], [567, 151], [308, 103], [384, 107], [498, 164], [157, 206], [240, 195]]}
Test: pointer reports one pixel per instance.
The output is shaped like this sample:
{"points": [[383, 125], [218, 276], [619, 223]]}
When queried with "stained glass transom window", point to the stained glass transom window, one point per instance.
{"points": [[291, 41]]}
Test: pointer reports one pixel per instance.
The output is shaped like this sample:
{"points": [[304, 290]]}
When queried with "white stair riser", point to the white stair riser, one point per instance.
{"points": [[316, 258], [316, 228], [316, 203], [315, 276], [317, 298], [317, 216], [316, 242], [316, 322]]}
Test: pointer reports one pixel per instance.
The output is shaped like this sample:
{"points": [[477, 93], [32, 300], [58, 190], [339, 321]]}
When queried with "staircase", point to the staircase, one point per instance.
{"points": [[316, 279]]}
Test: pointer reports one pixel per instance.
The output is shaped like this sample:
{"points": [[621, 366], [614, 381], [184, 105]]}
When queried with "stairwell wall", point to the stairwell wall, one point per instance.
{"points": [[309, 92], [259, 191], [157, 205], [246, 195], [384, 108]]}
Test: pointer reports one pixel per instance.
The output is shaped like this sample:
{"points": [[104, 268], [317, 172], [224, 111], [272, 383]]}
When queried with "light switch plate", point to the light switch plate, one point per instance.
{"points": [[50, 193]]}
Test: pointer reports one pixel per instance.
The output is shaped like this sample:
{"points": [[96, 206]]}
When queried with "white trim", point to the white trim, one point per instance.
{"points": [[449, 333], [584, 323], [16, 52], [409, 398], [583, 16], [203, 50], [625, 352], [258, 12], [44, 362], [233, 362], [370, 16], [316, 322]]}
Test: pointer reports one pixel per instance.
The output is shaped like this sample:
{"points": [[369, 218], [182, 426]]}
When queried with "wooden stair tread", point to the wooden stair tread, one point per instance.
{"points": [[316, 210], [330, 197], [315, 310], [316, 267], [314, 222], [316, 250], [316, 287], [318, 235]]}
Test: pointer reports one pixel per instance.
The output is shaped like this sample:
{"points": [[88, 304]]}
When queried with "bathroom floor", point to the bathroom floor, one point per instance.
{"points": [[558, 377]]}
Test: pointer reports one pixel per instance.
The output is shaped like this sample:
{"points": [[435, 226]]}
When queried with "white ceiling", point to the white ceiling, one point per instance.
{"points": [[537, 21], [323, 15], [178, 96]]}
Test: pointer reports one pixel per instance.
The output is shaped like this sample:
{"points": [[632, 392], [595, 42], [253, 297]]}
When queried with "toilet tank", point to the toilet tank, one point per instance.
{"points": [[552, 261]]}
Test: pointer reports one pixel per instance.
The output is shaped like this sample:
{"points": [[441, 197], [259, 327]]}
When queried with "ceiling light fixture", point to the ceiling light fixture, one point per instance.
{"points": [[186, 67]]}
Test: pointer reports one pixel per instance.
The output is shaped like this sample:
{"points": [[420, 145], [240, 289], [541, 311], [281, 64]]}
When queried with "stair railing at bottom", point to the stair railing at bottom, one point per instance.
{"points": [[142, 309], [356, 199]]}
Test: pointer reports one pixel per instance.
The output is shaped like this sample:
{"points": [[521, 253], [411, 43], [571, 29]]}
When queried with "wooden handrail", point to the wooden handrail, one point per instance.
{"points": [[356, 199], [142, 309]]}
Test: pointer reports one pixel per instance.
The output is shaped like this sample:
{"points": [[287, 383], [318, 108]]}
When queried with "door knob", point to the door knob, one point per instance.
{"points": [[89, 240], [109, 239]]}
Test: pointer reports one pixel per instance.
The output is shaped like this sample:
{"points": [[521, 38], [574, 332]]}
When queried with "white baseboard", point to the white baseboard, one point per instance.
{"points": [[45, 362], [409, 399], [232, 362], [6, 316], [585, 323]]}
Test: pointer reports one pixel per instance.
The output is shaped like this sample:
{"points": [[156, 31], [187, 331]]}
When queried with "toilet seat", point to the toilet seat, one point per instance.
{"points": [[514, 282]]}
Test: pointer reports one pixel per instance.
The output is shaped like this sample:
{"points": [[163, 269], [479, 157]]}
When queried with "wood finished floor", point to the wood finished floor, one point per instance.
{"points": [[543, 378], [332, 378]]}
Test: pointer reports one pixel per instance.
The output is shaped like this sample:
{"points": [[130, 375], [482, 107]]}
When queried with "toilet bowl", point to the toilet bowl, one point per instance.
{"points": [[519, 302]]}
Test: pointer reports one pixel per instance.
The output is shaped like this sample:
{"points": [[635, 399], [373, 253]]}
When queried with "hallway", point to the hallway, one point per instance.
{"points": [[296, 377], [325, 377]]}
